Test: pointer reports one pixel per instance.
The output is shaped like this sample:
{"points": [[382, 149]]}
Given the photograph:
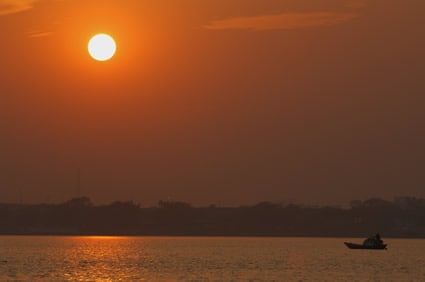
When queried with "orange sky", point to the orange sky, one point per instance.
{"points": [[227, 101]]}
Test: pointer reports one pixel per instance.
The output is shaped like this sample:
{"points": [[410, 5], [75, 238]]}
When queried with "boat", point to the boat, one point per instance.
{"points": [[371, 243], [363, 247]]}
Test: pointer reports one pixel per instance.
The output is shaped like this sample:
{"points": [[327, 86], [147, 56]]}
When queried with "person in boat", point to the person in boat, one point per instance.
{"points": [[378, 239], [373, 241]]}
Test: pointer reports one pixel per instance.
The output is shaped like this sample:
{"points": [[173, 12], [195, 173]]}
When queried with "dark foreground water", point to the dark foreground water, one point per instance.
{"points": [[205, 259]]}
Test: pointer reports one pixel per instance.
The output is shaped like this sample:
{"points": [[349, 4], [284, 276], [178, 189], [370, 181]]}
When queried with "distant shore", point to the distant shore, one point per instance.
{"points": [[402, 218]]}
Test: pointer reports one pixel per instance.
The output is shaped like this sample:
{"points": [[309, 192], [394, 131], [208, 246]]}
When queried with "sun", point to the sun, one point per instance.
{"points": [[102, 47]]}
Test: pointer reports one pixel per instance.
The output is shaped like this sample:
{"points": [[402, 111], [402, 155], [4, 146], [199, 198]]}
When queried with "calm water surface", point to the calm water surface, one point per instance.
{"points": [[205, 259]]}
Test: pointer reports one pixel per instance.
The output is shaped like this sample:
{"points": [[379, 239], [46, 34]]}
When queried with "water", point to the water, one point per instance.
{"points": [[205, 259]]}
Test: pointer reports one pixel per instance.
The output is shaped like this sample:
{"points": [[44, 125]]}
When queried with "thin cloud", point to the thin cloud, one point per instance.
{"points": [[283, 21], [38, 34], [292, 20], [15, 6]]}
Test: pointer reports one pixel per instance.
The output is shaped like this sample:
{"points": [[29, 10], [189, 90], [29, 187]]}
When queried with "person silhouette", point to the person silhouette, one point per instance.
{"points": [[378, 239]]}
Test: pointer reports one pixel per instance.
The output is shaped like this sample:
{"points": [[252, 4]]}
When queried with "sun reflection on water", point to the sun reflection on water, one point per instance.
{"points": [[106, 258]]}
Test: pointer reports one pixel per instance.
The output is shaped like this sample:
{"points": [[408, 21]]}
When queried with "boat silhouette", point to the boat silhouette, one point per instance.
{"points": [[371, 243]]}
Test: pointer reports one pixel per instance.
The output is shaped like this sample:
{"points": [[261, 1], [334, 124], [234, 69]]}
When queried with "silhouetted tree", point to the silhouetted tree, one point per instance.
{"points": [[82, 202], [173, 205]]}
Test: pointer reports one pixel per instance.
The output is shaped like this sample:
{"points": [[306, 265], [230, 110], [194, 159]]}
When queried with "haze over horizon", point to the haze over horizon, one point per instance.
{"points": [[213, 102]]}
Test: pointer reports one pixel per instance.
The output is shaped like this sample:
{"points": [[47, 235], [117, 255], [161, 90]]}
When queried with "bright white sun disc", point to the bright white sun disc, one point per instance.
{"points": [[102, 47]]}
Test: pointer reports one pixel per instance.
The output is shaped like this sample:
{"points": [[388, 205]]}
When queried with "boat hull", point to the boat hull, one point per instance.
{"points": [[363, 247]]}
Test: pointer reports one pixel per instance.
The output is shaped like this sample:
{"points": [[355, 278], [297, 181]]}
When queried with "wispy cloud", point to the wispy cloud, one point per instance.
{"points": [[15, 6], [38, 33], [292, 20], [283, 21]]}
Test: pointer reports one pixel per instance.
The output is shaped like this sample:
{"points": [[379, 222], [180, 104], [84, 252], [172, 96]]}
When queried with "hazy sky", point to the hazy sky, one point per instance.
{"points": [[216, 101]]}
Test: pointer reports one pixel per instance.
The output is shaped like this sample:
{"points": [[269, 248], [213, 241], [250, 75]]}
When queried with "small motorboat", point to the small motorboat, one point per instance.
{"points": [[365, 247], [371, 243]]}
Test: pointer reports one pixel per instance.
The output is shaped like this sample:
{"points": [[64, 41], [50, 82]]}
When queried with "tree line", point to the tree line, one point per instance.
{"points": [[401, 217]]}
